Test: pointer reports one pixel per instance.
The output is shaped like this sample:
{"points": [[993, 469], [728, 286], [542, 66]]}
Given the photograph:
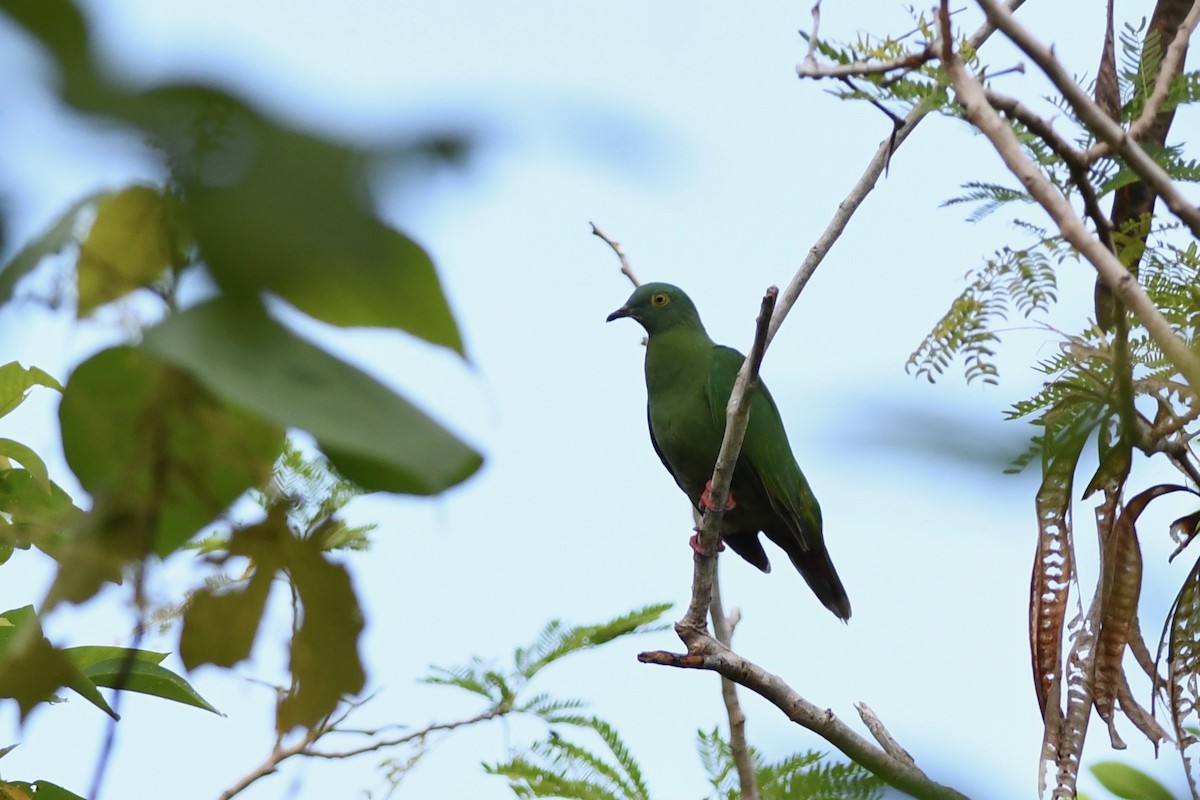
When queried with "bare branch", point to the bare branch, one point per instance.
{"points": [[882, 734], [981, 114], [304, 745], [616, 247], [810, 68], [1094, 117], [705, 652], [858, 193], [738, 746]]}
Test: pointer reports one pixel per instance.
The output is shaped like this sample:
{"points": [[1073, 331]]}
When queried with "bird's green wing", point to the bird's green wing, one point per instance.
{"points": [[766, 454]]}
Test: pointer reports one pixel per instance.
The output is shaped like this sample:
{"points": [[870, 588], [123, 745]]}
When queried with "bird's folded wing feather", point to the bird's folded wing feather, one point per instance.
{"points": [[766, 455]]}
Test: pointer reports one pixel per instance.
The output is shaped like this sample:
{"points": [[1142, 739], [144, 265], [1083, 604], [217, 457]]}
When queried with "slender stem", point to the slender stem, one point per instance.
{"points": [[743, 760]]}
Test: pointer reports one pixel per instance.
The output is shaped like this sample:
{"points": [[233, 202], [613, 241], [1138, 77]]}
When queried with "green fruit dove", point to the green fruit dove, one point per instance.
{"points": [[688, 382]]}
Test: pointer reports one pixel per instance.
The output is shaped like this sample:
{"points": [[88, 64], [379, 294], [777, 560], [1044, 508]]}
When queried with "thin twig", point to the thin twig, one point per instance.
{"points": [[1094, 117], [810, 68], [858, 193], [616, 247], [304, 746], [743, 760], [881, 733]]}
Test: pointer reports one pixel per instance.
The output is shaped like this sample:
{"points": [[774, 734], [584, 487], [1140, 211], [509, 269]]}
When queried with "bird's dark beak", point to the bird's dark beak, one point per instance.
{"points": [[623, 311]]}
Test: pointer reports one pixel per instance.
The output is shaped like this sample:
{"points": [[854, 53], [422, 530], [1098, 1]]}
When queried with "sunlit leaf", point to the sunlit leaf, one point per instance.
{"points": [[134, 671], [32, 669], [27, 458], [370, 434], [129, 246], [16, 381]]}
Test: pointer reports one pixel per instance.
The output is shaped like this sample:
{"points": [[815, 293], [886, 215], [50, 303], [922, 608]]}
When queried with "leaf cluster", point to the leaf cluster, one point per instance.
{"points": [[810, 775]]}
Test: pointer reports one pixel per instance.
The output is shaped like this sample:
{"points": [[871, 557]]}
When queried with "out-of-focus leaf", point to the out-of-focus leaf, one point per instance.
{"points": [[135, 671], [60, 234], [16, 381], [325, 662], [1129, 782], [28, 459], [219, 628], [160, 455], [278, 210], [38, 790], [129, 246], [371, 435], [32, 669], [38, 516]]}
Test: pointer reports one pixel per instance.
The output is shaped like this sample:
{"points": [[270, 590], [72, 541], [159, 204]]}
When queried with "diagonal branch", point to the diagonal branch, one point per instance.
{"points": [[1170, 66], [1093, 116], [980, 113], [858, 193], [705, 652]]}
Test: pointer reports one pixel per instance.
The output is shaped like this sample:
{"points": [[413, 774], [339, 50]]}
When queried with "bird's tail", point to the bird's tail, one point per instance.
{"points": [[818, 572]]}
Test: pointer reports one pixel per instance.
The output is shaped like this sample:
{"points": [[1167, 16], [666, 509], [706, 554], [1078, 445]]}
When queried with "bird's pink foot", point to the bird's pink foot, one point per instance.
{"points": [[694, 542], [706, 499]]}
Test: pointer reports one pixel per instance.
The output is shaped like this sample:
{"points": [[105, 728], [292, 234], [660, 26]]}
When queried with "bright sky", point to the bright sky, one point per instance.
{"points": [[681, 129]]}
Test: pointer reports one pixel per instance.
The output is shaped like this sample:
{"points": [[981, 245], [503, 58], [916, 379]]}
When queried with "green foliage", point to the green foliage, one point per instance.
{"points": [[1128, 782], [32, 669], [922, 84], [220, 626], [802, 776], [370, 434], [555, 641], [1012, 280], [557, 767]]}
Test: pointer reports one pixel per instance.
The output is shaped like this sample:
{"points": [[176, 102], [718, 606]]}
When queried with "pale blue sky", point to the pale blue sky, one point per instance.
{"points": [[681, 129]]}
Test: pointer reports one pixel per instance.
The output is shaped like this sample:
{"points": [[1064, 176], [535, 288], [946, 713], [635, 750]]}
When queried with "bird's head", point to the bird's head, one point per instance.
{"points": [[659, 307]]}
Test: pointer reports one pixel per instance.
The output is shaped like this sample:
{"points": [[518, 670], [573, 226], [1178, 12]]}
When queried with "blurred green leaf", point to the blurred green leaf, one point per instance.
{"points": [[159, 454], [219, 628], [28, 459], [38, 790], [16, 381], [135, 671], [370, 434], [325, 662], [157, 449], [32, 669], [129, 246], [1129, 782], [38, 516], [58, 236]]}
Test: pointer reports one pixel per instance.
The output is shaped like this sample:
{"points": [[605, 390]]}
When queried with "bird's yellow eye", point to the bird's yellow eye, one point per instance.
{"points": [[660, 299]]}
